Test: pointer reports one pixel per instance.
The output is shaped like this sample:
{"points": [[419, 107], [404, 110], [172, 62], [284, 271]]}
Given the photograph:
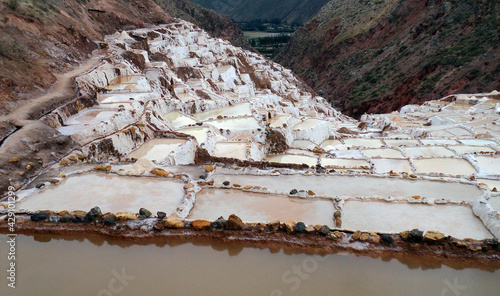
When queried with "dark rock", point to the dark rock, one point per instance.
{"points": [[94, 214], [161, 215], [39, 217], [386, 238], [274, 225], [219, 224], [159, 226], [77, 219], [299, 227], [141, 217], [54, 219], [415, 236], [110, 220], [337, 214], [66, 218], [204, 176], [226, 183], [40, 185], [302, 191], [234, 223], [293, 192], [324, 230], [145, 212]]}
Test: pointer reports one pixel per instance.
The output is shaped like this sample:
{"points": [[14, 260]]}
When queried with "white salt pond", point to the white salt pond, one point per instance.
{"points": [[397, 143], [293, 159], [428, 151], [449, 166], [361, 142], [489, 164], [85, 119], [307, 124], [110, 192], [438, 142], [257, 207], [231, 150], [178, 119], [157, 149], [242, 109], [495, 203], [464, 149], [241, 123], [382, 165], [378, 216], [344, 163], [383, 152], [182, 268], [349, 186], [200, 133]]}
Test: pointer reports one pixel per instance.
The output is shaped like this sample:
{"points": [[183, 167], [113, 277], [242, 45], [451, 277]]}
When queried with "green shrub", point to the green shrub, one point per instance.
{"points": [[12, 4]]}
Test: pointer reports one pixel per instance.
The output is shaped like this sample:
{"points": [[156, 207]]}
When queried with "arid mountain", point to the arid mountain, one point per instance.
{"points": [[289, 11], [40, 39], [376, 56]]}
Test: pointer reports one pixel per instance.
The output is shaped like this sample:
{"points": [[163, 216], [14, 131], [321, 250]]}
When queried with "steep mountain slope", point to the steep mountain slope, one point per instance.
{"points": [[290, 11], [39, 39], [376, 56]]}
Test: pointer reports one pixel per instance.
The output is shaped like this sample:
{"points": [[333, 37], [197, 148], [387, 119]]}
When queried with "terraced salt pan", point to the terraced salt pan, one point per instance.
{"points": [[438, 142], [397, 143], [278, 121], [490, 183], [178, 119], [303, 144], [85, 119], [344, 163], [477, 142], [243, 123], [374, 216], [242, 109], [110, 192], [360, 142], [463, 149], [428, 151], [386, 165], [353, 186], [231, 150], [489, 164], [383, 152], [294, 159], [200, 133], [495, 203], [307, 124], [257, 207], [157, 149], [331, 143], [449, 166]]}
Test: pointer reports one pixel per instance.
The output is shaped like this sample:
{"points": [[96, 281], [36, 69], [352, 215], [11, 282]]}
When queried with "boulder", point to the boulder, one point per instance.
{"points": [[54, 219], [374, 239], [159, 172], [188, 185], [299, 227], [234, 223], [386, 238], [173, 223], [226, 183], [404, 234], [324, 230], [415, 236], [293, 192], [66, 218], [364, 237], [126, 215], [40, 185], [356, 235], [338, 222], [110, 220], [159, 226], [39, 217], [145, 212], [209, 168], [274, 225], [219, 224], [289, 225], [433, 236], [161, 215], [94, 214], [103, 168], [200, 224], [337, 214]]}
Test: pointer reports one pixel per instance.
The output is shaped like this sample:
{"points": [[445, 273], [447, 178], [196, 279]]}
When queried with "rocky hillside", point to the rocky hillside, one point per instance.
{"points": [[289, 11], [40, 39], [376, 56]]}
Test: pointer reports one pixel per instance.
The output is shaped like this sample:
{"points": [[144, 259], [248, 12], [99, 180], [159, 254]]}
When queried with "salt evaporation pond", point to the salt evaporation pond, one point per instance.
{"points": [[294, 159], [383, 152], [257, 207], [85, 119], [396, 165], [242, 109], [348, 186], [83, 266], [157, 149], [241, 123], [378, 216], [110, 192], [449, 166]]}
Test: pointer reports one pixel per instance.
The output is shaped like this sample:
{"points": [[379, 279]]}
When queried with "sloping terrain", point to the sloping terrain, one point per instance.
{"points": [[39, 39], [377, 56], [289, 11]]}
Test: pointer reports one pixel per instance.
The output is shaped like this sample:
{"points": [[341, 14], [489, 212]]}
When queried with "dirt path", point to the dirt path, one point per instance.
{"points": [[62, 87]]}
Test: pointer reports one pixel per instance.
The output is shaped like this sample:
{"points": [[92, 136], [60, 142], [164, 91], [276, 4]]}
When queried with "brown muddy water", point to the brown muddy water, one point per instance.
{"points": [[92, 265]]}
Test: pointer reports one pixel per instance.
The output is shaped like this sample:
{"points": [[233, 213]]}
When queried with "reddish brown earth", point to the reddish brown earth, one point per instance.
{"points": [[376, 56]]}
